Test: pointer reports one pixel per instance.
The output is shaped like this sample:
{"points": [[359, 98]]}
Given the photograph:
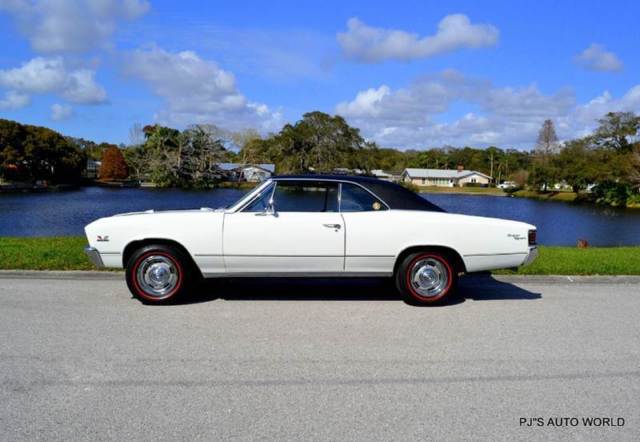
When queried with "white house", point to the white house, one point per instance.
{"points": [[445, 177], [248, 172]]}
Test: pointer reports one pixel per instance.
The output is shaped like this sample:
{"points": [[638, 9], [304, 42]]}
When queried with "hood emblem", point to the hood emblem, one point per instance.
{"points": [[103, 238]]}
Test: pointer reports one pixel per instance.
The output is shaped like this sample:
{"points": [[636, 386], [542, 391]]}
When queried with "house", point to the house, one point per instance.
{"points": [[92, 171], [445, 177], [247, 172]]}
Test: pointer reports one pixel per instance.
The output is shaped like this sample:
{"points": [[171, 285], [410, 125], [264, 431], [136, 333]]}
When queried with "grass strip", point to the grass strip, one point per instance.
{"points": [[66, 253]]}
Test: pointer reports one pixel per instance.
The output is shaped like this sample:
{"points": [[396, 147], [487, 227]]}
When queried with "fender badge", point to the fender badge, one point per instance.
{"points": [[104, 238], [515, 236]]}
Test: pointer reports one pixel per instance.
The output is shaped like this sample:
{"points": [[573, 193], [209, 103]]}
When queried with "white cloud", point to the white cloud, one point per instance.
{"points": [[419, 115], [61, 112], [57, 26], [370, 44], [597, 58], [43, 75], [197, 90], [14, 100]]}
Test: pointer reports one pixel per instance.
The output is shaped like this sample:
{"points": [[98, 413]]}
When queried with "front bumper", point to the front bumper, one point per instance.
{"points": [[533, 254], [94, 256]]}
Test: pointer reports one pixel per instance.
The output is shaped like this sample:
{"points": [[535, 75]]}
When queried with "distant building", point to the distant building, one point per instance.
{"points": [[445, 177], [247, 172], [92, 171]]}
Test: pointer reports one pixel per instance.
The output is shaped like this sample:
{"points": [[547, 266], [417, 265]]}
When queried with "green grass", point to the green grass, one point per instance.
{"points": [[49, 253], [467, 190], [547, 196], [590, 261], [66, 253]]}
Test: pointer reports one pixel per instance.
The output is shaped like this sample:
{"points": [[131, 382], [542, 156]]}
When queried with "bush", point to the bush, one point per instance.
{"points": [[612, 193], [409, 185], [634, 200]]}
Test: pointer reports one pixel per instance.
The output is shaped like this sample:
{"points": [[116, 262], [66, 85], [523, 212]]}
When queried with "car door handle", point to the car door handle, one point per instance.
{"points": [[332, 226]]}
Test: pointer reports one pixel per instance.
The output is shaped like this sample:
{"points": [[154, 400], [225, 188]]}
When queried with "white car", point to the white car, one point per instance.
{"points": [[507, 185], [309, 226]]}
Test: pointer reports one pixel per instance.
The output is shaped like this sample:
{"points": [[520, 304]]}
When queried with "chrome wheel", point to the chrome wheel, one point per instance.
{"points": [[157, 275], [429, 277]]}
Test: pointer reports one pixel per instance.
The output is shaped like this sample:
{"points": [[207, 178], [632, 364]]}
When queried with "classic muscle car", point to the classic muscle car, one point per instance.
{"points": [[309, 226]]}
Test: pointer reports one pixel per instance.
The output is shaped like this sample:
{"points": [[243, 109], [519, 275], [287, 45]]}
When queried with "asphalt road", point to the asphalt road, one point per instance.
{"points": [[287, 360]]}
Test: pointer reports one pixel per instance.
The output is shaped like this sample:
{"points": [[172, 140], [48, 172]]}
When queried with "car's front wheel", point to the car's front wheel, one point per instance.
{"points": [[426, 278], [158, 274]]}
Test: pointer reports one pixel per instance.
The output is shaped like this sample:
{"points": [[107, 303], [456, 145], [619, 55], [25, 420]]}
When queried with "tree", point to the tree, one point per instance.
{"points": [[200, 153], [618, 131], [32, 153], [319, 142], [114, 166], [547, 139], [543, 172], [577, 165], [136, 135]]}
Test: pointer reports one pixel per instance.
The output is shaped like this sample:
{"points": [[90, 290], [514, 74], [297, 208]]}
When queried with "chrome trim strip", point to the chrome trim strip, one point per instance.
{"points": [[296, 274], [94, 256], [496, 254], [335, 180], [331, 180], [303, 256]]}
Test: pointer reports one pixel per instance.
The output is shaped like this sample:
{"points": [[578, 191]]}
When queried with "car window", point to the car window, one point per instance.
{"points": [[306, 196], [261, 203], [356, 199]]}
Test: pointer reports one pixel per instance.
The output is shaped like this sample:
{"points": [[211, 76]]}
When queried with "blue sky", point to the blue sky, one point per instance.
{"points": [[409, 74]]}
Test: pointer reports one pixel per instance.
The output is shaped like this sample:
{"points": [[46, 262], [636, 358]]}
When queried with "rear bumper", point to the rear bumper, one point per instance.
{"points": [[531, 256], [94, 256]]}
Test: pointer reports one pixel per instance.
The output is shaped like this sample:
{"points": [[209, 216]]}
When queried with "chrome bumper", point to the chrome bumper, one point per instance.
{"points": [[533, 254], [94, 256]]}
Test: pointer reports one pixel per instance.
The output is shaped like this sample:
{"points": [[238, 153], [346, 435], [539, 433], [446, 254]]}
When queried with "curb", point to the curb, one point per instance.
{"points": [[556, 279], [470, 279]]}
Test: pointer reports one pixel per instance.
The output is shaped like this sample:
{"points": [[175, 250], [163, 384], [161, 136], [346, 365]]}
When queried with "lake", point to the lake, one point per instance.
{"points": [[66, 213]]}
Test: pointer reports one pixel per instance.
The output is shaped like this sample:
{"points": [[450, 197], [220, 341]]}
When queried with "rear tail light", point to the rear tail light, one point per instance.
{"points": [[532, 237]]}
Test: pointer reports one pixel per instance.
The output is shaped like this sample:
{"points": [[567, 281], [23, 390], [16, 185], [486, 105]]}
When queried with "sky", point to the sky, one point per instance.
{"points": [[409, 74]]}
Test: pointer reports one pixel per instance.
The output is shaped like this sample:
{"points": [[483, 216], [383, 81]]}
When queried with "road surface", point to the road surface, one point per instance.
{"points": [[290, 360]]}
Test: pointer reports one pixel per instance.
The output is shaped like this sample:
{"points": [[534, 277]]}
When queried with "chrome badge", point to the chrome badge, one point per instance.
{"points": [[102, 238], [516, 236]]}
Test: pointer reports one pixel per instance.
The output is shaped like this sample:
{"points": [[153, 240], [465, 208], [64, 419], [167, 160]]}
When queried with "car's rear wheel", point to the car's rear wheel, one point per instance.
{"points": [[426, 278], [159, 274]]}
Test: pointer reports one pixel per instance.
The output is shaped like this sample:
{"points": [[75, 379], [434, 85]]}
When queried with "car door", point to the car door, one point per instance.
{"points": [[291, 227], [369, 243]]}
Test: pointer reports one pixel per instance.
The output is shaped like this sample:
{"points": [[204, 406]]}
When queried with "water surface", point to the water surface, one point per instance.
{"points": [[66, 213]]}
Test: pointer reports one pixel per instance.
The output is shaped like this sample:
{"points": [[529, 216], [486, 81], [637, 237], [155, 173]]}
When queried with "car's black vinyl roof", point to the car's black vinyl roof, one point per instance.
{"points": [[394, 195]]}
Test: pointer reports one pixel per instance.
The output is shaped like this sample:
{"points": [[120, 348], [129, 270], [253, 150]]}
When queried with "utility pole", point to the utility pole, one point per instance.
{"points": [[491, 165]]}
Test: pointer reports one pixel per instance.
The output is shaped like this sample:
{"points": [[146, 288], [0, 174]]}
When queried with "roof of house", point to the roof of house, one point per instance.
{"points": [[442, 173], [231, 166]]}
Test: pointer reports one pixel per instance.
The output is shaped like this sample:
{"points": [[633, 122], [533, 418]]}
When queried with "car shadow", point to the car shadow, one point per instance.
{"points": [[479, 287]]}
